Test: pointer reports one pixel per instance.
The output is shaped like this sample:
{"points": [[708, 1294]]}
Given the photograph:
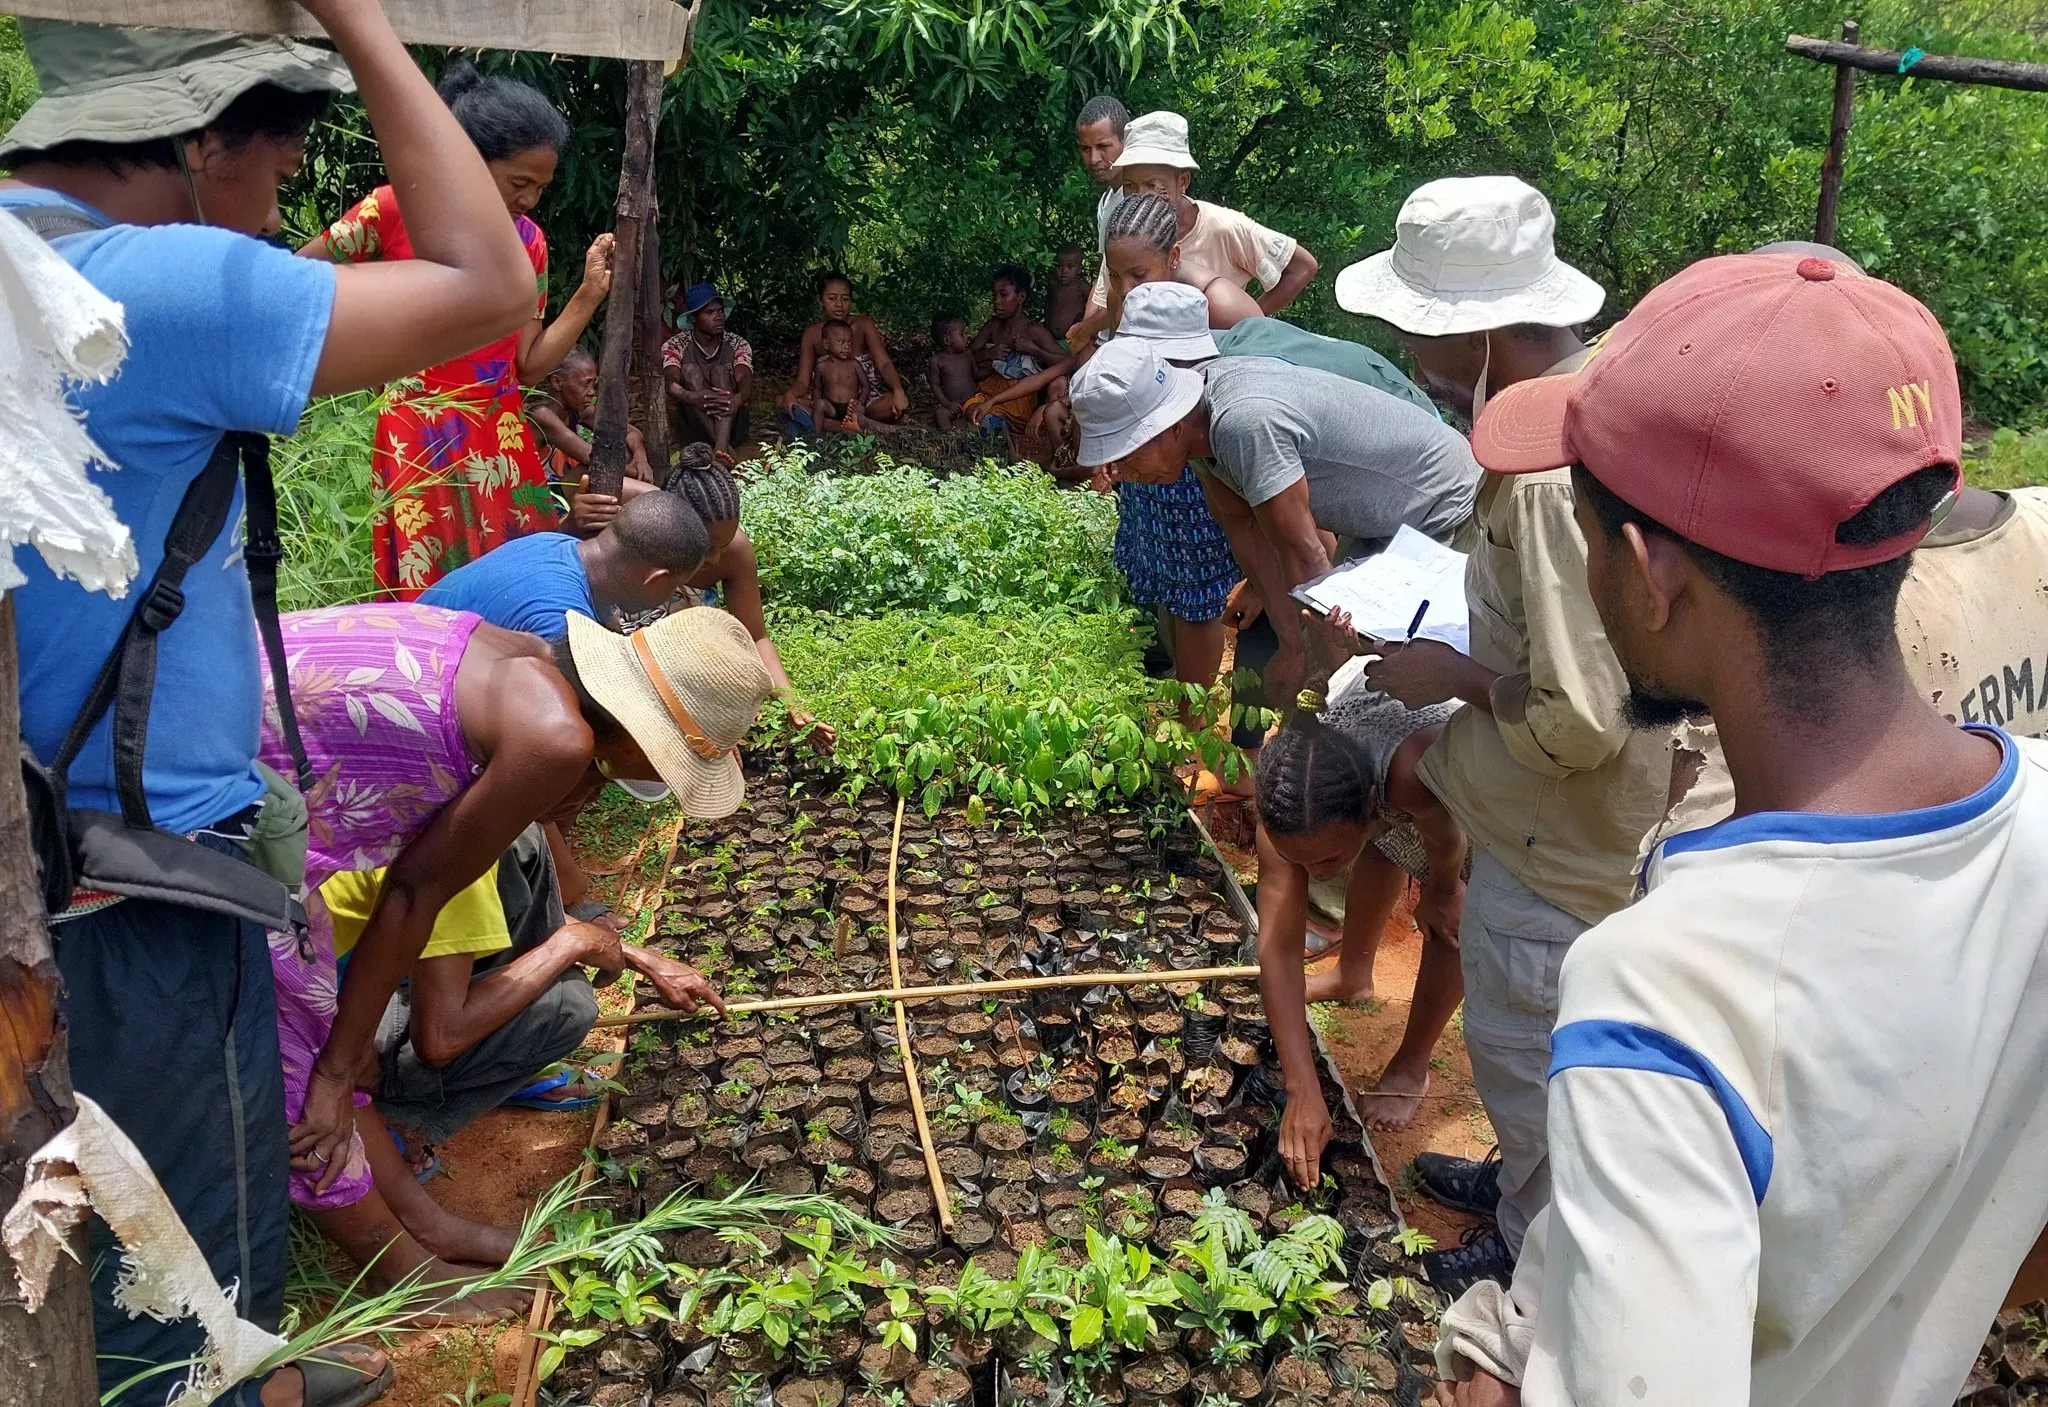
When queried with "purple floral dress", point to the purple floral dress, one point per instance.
{"points": [[374, 688]]}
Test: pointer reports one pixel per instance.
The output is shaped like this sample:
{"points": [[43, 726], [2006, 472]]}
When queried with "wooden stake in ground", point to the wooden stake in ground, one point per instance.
{"points": [[914, 995], [45, 1357], [1838, 142], [630, 237], [924, 1130], [653, 383]]}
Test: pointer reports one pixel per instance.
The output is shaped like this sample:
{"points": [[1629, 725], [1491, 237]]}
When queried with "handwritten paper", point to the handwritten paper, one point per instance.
{"points": [[1382, 591]]}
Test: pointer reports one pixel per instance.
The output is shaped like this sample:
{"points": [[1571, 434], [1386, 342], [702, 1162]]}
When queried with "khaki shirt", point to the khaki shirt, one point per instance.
{"points": [[1552, 783], [1973, 619]]}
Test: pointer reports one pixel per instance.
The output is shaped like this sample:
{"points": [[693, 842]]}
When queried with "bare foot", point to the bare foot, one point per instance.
{"points": [[477, 1307], [1338, 985], [455, 1238], [1392, 1104]]}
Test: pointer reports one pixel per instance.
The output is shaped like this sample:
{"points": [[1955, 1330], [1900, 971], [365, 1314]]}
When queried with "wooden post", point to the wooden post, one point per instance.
{"points": [[45, 1357], [653, 382], [630, 237], [1838, 143]]}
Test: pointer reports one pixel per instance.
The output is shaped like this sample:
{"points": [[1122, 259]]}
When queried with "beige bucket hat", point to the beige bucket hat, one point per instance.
{"points": [[104, 83], [1471, 254], [1157, 139], [687, 688]]}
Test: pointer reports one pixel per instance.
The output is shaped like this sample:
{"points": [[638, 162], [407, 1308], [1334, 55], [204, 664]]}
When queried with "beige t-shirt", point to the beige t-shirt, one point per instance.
{"points": [[1973, 619], [1224, 243]]}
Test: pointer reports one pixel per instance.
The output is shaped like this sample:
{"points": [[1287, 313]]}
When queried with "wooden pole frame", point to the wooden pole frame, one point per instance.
{"points": [[940, 1202], [631, 238], [46, 1358], [913, 996], [658, 30], [1838, 144]]}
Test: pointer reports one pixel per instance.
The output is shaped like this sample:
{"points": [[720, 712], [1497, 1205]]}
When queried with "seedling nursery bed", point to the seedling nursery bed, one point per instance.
{"points": [[1121, 1230]]}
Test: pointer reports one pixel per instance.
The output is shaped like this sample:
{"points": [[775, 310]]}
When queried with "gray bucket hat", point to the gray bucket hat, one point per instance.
{"points": [[103, 83]]}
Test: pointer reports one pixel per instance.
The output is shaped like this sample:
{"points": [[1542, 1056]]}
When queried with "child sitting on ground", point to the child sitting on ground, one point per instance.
{"points": [[558, 410], [1066, 301], [952, 369], [844, 385]]}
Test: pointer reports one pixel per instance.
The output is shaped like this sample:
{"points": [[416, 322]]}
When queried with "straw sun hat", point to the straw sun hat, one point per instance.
{"points": [[687, 688]]}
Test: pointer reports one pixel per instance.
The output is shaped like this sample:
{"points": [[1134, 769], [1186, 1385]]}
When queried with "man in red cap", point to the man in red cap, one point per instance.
{"points": [[1796, 1119]]}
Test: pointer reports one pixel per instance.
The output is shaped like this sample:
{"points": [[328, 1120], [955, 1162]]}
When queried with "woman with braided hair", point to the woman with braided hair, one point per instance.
{"points": [[1338, 795], [730, 576]]}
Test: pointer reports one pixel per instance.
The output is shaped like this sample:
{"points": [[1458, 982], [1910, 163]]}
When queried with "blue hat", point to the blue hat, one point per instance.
{"points": [[699, 294]]}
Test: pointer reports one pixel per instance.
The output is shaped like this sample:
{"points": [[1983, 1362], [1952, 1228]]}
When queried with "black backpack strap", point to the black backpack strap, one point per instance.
{"points": [[263, 551], [127, 681]]}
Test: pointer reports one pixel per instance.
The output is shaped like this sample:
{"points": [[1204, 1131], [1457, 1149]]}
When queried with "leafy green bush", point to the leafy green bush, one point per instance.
{"points": [[996, 539], [2008, 460], [1030, 710]]}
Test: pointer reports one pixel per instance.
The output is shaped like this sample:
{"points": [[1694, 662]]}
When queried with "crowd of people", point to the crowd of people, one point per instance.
{"points": [[1726, 831]]}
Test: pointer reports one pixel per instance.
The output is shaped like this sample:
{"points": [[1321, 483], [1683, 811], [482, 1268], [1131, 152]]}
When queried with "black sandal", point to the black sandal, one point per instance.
{"points": [[333, 1381]]}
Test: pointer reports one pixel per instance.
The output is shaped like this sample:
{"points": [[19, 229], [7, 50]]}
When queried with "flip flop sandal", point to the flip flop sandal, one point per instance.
{"points": [[421, 1175], [1318, 943], [533, 1095], [332, 1381]]}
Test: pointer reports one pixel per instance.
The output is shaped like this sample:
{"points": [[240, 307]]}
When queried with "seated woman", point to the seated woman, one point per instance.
{"points": [[436, 739], [1338, 795], [835, 299], [1011, 348]]}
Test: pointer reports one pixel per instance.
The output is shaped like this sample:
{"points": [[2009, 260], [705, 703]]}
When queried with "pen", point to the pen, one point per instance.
{"points": [[1416, 624]]}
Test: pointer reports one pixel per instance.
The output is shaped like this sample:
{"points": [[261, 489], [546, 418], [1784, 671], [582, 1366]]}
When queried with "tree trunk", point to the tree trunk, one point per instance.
{"points": [[633, 232], [46, 1358], [1838, 145], [653, 383]]}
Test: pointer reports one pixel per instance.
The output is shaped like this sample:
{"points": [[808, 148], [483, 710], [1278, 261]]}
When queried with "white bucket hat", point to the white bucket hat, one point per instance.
{"points": [[1471, 254], [1173, 317], [1126, 397], [1157, 139], [687, 688]]}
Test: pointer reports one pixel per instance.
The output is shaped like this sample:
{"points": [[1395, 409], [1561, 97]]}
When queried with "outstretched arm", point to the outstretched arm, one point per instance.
{"points": [[543, 345], [451, 1012], [469, 281], [1283, 929]]}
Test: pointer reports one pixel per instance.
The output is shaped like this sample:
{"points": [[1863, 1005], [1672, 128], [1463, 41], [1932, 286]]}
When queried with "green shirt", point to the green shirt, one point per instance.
{"points": [[1270, 337]]}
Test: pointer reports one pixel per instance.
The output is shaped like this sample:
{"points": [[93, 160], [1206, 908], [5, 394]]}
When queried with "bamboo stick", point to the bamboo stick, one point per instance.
{"points": [[914, 995], [924, 1130]]}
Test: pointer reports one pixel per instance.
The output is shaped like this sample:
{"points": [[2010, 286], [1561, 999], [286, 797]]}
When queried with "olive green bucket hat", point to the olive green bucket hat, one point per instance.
{"points": [[103, 83]]}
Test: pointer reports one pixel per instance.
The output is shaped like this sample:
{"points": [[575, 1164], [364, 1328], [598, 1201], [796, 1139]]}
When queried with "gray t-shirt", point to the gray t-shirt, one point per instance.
{"points": [[1372, 461]]}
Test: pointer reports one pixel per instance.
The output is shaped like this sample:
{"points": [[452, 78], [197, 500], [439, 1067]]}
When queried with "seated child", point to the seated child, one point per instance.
{"points": [[844, 384], [1066, 301], [559, 411], [952, 369]]}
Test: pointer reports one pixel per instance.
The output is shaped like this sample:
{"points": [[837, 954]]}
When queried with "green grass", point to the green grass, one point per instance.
{"points": [[325, 503]]}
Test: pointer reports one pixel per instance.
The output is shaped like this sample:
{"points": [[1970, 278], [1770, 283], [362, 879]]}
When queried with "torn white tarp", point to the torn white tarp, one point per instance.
{"points": [[91, 1166], [54, 327]]}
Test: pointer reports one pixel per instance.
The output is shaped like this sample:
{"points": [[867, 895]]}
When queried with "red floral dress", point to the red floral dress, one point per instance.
{"points": [[454, 465]]}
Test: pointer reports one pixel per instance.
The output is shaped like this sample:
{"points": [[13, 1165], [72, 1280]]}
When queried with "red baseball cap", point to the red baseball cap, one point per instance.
{"points": [[1752, 404]]}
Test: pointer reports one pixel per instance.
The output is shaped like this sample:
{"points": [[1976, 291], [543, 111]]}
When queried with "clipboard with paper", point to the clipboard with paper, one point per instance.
{"points": [[1383, 591]]}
